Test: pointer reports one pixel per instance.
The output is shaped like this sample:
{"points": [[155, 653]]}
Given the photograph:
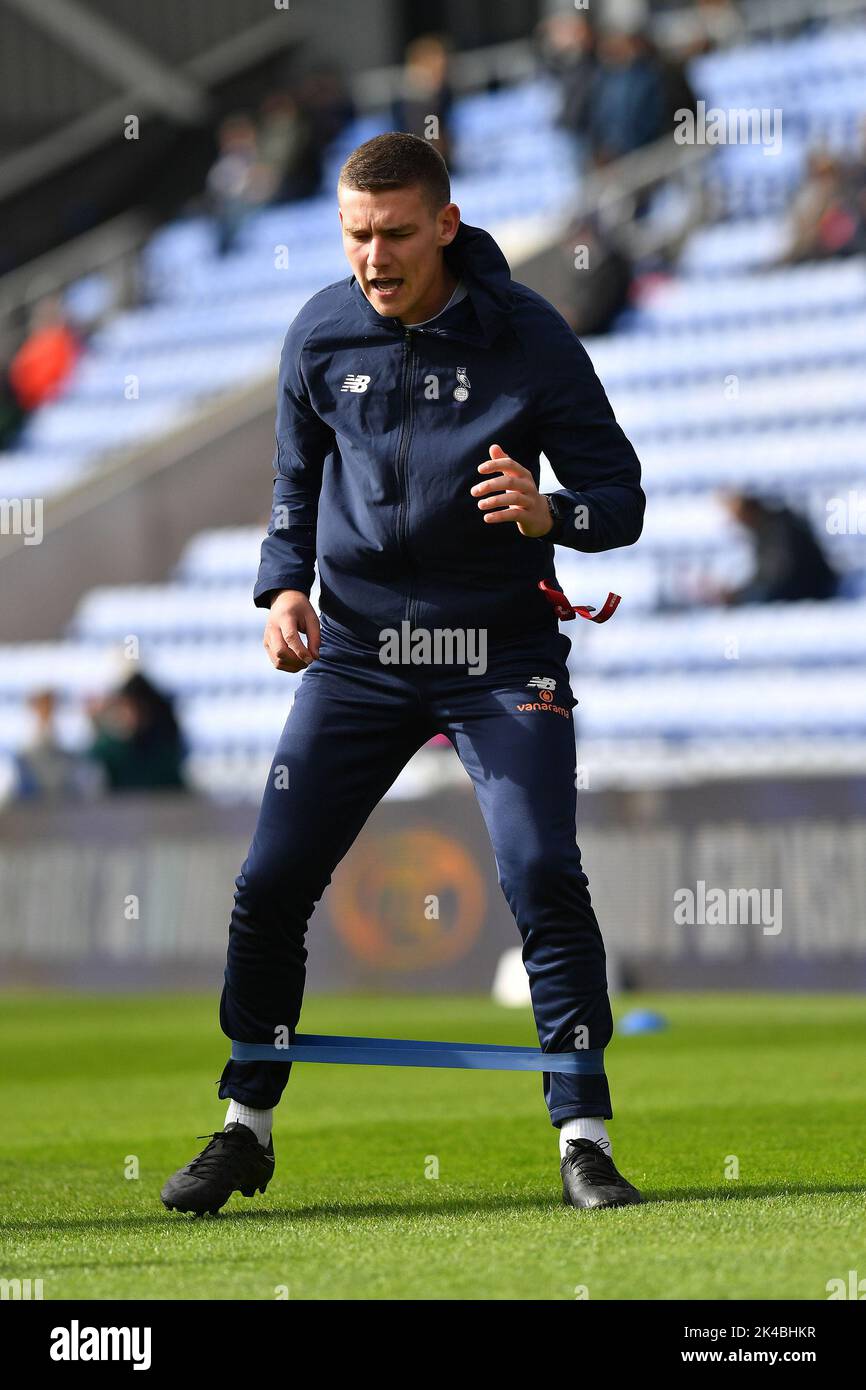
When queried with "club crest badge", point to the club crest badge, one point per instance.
{"points": [[461, 390]]}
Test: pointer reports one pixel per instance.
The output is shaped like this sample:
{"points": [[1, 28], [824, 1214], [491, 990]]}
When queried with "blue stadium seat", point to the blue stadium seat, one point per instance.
{"points": [[666, 690]]}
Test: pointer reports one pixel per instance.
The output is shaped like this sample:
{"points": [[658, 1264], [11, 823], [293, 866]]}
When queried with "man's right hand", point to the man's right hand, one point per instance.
{"points": [[291, 614]]}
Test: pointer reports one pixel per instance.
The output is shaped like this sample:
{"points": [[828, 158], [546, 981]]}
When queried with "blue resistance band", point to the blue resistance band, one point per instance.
{"points": [[400, 1052]]}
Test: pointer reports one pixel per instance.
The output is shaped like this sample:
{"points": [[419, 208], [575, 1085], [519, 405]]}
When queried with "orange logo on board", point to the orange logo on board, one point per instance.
{"points": [[409, 900]]}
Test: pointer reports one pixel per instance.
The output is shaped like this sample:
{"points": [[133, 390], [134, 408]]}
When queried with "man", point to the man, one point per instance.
{"points": [[790, 566], [414, 398]]}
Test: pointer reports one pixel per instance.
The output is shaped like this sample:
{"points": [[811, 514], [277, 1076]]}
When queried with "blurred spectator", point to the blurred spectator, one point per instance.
{"points": [[566, 48], [719, 23], [425, 93], [853, 195], [327, 103], [854, 170], [238, 181], [288, 150], [627, 104], [677, 92], [39, 368], [789, 563], [828, 213], [12, 416], [138, 740], [602, 279], [708, 24], [280, 158], [44, 769]]}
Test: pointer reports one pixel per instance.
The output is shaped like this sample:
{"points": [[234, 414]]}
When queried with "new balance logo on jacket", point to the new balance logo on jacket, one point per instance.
{"points": [[357, 383]]}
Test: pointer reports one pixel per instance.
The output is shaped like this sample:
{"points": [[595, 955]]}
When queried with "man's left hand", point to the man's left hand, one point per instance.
{"points": [[512, 496]]}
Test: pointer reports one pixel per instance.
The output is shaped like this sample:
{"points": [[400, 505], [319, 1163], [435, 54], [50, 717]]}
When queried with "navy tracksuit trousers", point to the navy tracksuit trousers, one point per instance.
{"points": [[353, 726]]}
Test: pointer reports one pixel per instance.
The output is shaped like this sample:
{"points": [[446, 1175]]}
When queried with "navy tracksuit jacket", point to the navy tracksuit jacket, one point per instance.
{"points": [[380, 431]]}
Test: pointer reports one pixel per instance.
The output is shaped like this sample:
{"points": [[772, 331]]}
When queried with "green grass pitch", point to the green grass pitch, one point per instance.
{"points": [[94, 1086]]}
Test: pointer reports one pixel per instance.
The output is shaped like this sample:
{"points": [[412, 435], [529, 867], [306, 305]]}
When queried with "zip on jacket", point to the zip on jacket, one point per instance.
{"points": [[379, 433]]}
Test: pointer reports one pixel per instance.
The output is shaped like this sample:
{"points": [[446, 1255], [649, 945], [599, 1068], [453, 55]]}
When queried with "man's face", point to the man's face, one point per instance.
{"points": [[739, 508], [393, 242]]}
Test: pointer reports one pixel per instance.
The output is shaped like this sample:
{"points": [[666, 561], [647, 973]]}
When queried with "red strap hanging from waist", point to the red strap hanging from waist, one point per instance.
{"points": [[565, 610]]}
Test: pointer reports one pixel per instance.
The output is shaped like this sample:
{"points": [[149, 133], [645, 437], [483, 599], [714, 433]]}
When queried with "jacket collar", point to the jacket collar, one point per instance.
{"points": [[474, 257]]}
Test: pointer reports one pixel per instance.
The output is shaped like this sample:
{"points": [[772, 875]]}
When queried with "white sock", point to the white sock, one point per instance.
{"points": [[259, 1121], [584, 1129]]}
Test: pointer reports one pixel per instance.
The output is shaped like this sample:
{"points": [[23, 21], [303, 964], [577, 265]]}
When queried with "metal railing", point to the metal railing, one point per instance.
{"points": [[112, 250]]}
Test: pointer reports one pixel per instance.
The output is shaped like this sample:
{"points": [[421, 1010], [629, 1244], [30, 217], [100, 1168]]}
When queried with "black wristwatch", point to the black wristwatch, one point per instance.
{"points": [[559, 511]]}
